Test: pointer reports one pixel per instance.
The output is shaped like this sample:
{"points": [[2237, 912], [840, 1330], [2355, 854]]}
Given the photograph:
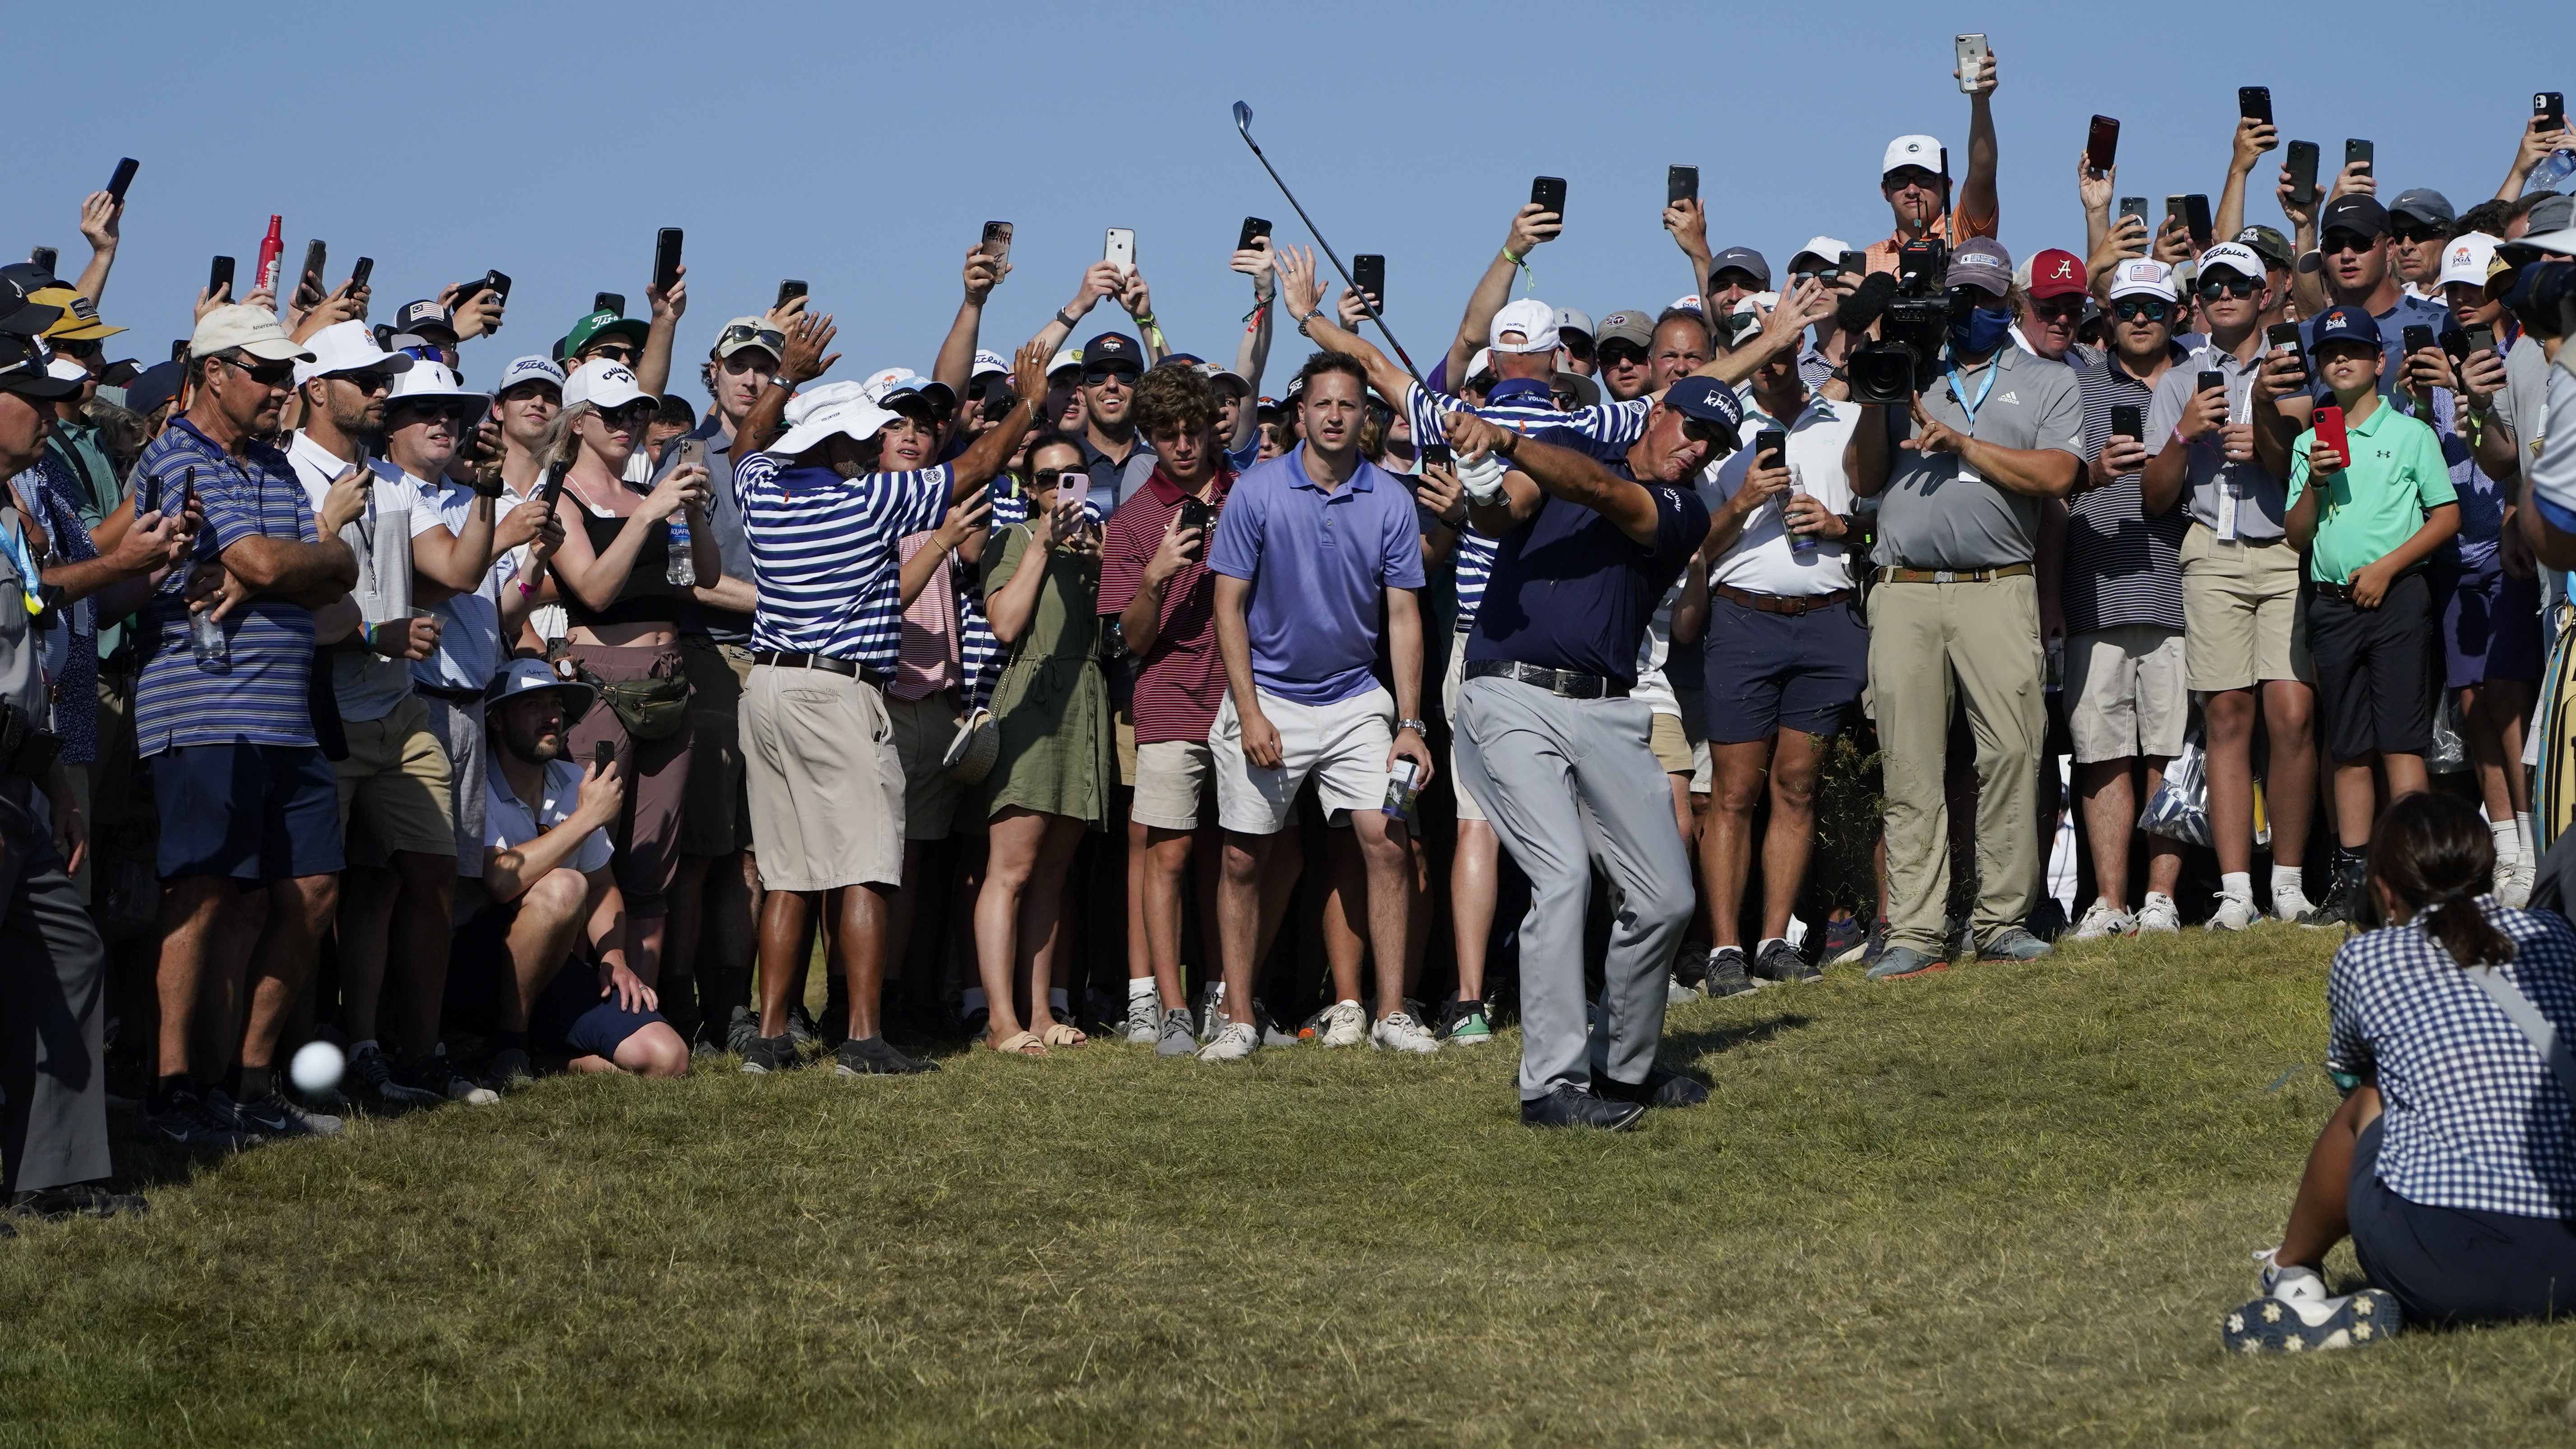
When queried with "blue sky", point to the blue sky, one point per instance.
{"points": [[862, 147]]}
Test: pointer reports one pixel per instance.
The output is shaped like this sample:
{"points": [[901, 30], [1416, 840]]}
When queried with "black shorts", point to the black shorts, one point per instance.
{"points": [[2456, 1265], [2375, 671], [570, 1016], [1770, 672], [254, 813]]}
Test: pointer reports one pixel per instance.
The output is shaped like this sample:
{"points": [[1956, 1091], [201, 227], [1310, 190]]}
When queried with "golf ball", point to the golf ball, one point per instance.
{"points": [[317, 1067]]}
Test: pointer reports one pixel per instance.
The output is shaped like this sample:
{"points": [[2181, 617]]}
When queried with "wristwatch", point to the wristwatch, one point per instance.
{"points": [[1069, 323], [1419, 727]]}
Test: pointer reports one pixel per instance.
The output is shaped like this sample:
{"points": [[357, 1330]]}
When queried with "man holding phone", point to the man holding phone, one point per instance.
{"points": [[1915, 179]]}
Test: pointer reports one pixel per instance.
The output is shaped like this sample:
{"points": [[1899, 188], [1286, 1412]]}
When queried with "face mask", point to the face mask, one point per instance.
{"points": [[1980, 331]]}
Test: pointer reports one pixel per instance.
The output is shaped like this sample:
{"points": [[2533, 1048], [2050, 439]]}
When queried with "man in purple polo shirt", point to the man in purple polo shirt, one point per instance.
{"points": [[1308, 546]]}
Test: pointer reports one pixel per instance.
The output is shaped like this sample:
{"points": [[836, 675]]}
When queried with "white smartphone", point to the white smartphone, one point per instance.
{"points": [[1972, 58], [1121, 249]]}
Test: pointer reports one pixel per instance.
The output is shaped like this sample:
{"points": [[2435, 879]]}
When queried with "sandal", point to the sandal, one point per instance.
{"points": [[1019, 1044], [1059, 1034]]}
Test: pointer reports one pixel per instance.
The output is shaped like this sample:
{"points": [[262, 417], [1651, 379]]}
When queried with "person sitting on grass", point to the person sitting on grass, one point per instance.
{"points": [[546, 868], [2452, 1161]]}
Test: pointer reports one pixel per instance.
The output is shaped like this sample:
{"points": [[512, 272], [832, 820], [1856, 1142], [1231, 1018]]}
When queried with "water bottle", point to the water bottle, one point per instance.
{"points": [[1800, 544], [683, 572], [206, 641], [2551, 173]]}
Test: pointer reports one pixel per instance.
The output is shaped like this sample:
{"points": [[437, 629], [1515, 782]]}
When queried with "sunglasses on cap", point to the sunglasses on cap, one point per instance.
{"points": [[2130, 309], [266, 374], [2214, 287], [740, 332]]}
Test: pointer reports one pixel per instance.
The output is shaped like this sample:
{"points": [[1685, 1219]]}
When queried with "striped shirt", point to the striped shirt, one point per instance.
{"points": [[258, 697], [1525, 405], [823, 555], [1182, 681], [2122, 567]]}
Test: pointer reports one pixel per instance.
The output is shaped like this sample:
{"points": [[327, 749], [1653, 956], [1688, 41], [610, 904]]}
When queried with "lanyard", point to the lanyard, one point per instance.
{"points": [[1961, 398], [30, 578]]}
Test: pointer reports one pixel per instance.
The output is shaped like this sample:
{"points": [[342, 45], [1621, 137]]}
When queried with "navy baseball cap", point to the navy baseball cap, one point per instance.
{"points": [[1741, 259], [1112, 350], [2345, 324], [1181, 359], [1710, 401]]}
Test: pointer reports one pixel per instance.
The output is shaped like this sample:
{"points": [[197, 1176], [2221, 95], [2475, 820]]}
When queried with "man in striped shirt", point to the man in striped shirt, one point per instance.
{"points": [[825, 511]]}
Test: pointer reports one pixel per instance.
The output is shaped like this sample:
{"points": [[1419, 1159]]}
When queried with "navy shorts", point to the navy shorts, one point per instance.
{"points": [[2467, 602], [1770, 672], [572, 1017], [2517, 651], [2456, 1265], [255, 813], [2375, 671]]}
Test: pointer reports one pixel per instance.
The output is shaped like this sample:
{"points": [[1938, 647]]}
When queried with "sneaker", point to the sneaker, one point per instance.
{"points": [[77, 1199], [509, 1068], [438, 1077], [1462, 1023], [2234, 913], [1726, 974], [2159, 914], [1397, 1031], [1176, 1036], [1342, 1025], [188, 1122], [1207, 1014], [1663, 1087], [1266, 1028], [800, 1027], [1897, 963], [2343, 902], [1144, 1019], [870, 1056], [1875, 945], [1572, 1106], [741, 1031], [770, 1054], [1232, 1043], [1675, 993], [278, 1115], [371, 1072], [2013, 943], [1690, 968], [2104, 919], [2302, 1324], [1843, 940], [1780, 961]]}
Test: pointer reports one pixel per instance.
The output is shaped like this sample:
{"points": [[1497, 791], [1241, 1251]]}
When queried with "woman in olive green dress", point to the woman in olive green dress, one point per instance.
{"points": [[1052, 778]]}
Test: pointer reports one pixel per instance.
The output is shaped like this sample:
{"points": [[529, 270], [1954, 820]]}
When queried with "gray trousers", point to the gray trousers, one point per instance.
{"points": [[459, 728], [53, 976], [1566, 783]]}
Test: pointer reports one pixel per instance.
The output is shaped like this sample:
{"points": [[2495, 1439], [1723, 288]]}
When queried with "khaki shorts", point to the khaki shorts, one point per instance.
{"points": [[1172, 783], [1450, 679], [1124, 726], [2240, 611], [2125, 695], [1342, 746], [715, 810], [396, 781], [826, 783], [923, 731], [1672, 747]]}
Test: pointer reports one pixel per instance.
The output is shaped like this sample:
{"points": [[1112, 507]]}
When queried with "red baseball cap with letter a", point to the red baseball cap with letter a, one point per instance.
{"points": [[2056, 273]]}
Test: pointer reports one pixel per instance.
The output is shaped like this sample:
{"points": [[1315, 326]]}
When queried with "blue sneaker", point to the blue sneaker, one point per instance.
{"points": [[1843, 940], [1900, 962], [1877, 943], [2012, 943], [2303, 1325]]}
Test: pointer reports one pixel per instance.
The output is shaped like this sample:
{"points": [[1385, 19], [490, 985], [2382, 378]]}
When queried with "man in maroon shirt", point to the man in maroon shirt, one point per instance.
{"points": [[1154, 580]]}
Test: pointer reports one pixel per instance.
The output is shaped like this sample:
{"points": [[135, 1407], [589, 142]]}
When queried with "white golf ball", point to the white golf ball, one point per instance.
{"points": [[316, 1068]]}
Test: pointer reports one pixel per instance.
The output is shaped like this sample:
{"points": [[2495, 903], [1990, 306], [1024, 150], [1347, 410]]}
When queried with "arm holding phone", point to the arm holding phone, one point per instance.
{"points": [[101, 217], [1303, 293], [2094, 189], [2539, 138], [653, 369], [1977, 197], [1530, 228], [1141, 623], [966, 517], [2253, 137], [803, 360], [1252, 355], [1687, 220], [955, 365]]}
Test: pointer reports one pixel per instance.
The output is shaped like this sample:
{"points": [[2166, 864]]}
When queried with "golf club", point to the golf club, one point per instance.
{"points": [[1243, 123]]}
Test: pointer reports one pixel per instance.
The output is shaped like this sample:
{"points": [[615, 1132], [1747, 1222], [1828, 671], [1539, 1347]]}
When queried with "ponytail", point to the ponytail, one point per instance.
{"points": [[2436, 857]]}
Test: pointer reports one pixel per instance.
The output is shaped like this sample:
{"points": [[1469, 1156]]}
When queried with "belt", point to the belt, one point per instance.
{"points": [[1951, 576], [1791, 604], [2344, 591], [846, 668], [452, 696], [1563, 683]]}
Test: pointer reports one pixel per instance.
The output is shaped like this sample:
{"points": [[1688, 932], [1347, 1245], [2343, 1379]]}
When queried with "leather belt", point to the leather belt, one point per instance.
{"points": [[452, 696], [2344, 591], [1951, 576], [1791, 604], [846, 668], [1563, 683]]}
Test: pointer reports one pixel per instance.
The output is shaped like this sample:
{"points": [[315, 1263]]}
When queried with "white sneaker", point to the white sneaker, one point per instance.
{"points": [[1144, 1019], [1344, 1025], [1399, 1032], [2291, 905], [2159, 914], [2234, 913], [1232, 1044], [2105, 919]]}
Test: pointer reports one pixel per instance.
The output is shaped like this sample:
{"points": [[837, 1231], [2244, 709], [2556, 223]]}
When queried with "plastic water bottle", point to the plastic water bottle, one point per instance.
{"points": [[214, 653], [2551, 174], [1800, 543], [683, 572]]}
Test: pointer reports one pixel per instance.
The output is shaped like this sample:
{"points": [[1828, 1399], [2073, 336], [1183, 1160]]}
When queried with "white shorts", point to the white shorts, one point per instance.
{"points": [[1343, 746]]}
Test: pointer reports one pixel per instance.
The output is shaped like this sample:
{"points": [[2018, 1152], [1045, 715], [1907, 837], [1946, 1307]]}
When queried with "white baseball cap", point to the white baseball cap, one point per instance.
{"points": [[347, 347], [2235, 256], [2141, 277], [1822, 248], [1923, 151], [1483, 361], [1533, 319], [605, 385], [823, 397], [987, 362], [854, 416], [531, 368], [2467, 259], [252, 329], [1570, 320], [1065, 357], [1690, 303], [433, 380], [886, 384]]}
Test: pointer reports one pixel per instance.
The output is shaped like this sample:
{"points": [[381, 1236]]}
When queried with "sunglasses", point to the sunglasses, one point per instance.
{"points": [[82, 350], [2213, 288], [1577, 346], [1109, 376], [616, 352], [369, 383], [1621, 353], [633, 415], [774, 340], [266, 374], [2345, 241], [453, 411], [2130, 309], [2058, 306], [2417, 234], [1700, 430]]}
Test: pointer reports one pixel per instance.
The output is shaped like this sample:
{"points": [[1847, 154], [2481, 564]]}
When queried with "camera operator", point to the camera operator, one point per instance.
{"points": [[1962, 477]]}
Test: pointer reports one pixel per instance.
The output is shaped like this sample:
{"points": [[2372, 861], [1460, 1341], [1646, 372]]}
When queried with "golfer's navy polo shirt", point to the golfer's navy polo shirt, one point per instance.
{"points": [[1570, 591]]}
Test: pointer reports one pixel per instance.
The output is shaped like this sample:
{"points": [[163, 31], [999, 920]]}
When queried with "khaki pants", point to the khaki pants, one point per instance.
{"points": [[1927, 644]]}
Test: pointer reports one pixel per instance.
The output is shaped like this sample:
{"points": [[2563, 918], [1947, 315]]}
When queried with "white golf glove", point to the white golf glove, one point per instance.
{"points": [[1481, 474]]}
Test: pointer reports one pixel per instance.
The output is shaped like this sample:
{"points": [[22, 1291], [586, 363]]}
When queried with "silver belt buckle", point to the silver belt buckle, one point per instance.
{"points": [[1944, 576]]}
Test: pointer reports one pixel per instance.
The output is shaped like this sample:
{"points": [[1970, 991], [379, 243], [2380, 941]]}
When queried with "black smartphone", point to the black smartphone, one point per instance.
{"points": [[2135, 206], [788, 291], [219, 276], [179, 350], [2208, 380], [666, 258], [1368, 273], [1681, 183], [2302, 164], [2455, 344], [2128, 420], [608, 302], [2286, 334], [1438, 453], [604, 755], [123, 178], [552, 488], [2102, 144], [2195, 218], [996, 242], [44, 259], [315, 254], [1255, 228], [188, 491], [2549, 107], [498, 284], [2416, 338], [2481, 337], [1773, 441], [1547, 193], [2358, 153], [2254, 103], [358, 274], [1196, 514], [1853, 264], [2173, 209]]}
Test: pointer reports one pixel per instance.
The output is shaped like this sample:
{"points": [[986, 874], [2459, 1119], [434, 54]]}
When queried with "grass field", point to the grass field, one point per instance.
{"points": [[2006, 1205]]}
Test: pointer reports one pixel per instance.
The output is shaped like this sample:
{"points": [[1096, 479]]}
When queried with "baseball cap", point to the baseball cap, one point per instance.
{"points": [[884, 386], [23, 371], [2424, 204], [854, 417], [1823, 248], [2536, 243], [1628, 325], [605, 385], [2354, 212], [153, 387], [424, 380], [2345, 324], [530, 676], [1904, 151], [1215, 374], [347, 347], [1482, 362], [1569, 320], [1065, 357], [1743, 320], [1741, 259], [2469, 257], [588, 329], [1690, 303], [2141, 277], [2554, 212], [987, 362], [1587, 393], [1983, 263], [21, 315], [415, 317], [744, 332], [531, 368], [251, 329], [1710, 401], [2055, 272], [79, 322], [2234, 256], [1112, 349], [2267, 243], [1533, 319]]}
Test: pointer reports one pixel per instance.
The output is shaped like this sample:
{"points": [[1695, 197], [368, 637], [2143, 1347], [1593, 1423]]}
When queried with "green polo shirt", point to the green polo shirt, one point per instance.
{"points": [[2395, 477]]}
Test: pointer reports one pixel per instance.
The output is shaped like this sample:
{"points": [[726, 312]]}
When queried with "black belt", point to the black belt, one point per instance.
{"points": [[452, 696], [1563, 683], [1790, 604], [846, 668]]}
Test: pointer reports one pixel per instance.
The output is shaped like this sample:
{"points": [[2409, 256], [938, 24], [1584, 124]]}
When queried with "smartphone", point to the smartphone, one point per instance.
{"points": [[2358, 153], [1119, 248], [997, 241], [188, 491], [666, 258], [2481, 337], [2286, 334], [219, 276], [1438, 453], [2455, 344], [2209, 380], [788, 291], [1972, 57], [2135, 206], [44, 259], [2195, 218], [1255, 229], [1547, 193], [604, 755], [2330, 433], [179, 350], [358, 274], [1853, 264], [552, 488], [2303, 173], [2102, 145], [123, 178], [1196, 514], [1681, 183], [608, 302], [2416, 338], [2548, 107], [693, 452], [1773, 441], [498, 284], [315, 254], [2173, 209], [2254, 103], [1368, 273], [2128, 420]]}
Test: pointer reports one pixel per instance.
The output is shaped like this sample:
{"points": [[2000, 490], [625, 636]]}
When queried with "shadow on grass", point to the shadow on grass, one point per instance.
{"points": [[1694, 1045]]}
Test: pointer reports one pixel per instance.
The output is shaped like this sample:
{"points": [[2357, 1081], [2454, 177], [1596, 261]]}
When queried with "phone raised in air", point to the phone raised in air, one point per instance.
{"points": [[359, 274], [1368, 273], [996, 242], [123, 178], [2358, 153], [2302, 165], [2547, 107], [1118, 248], [219, 276], [1255, 229], [1972, 58], [2254, 103], [2135, 206], [1681, 183], [1853, 264], [1547, 193], [2195, 218], [666, 258], [2102, 143], [608, 302], [315, 255], [788, 291]]}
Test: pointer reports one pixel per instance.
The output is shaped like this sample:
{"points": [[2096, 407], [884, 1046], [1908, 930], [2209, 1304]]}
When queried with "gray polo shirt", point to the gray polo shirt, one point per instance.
{"points": [[1933, 516], [2520, 406], [2261, 498], [1113, 482], [22, 676]]}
